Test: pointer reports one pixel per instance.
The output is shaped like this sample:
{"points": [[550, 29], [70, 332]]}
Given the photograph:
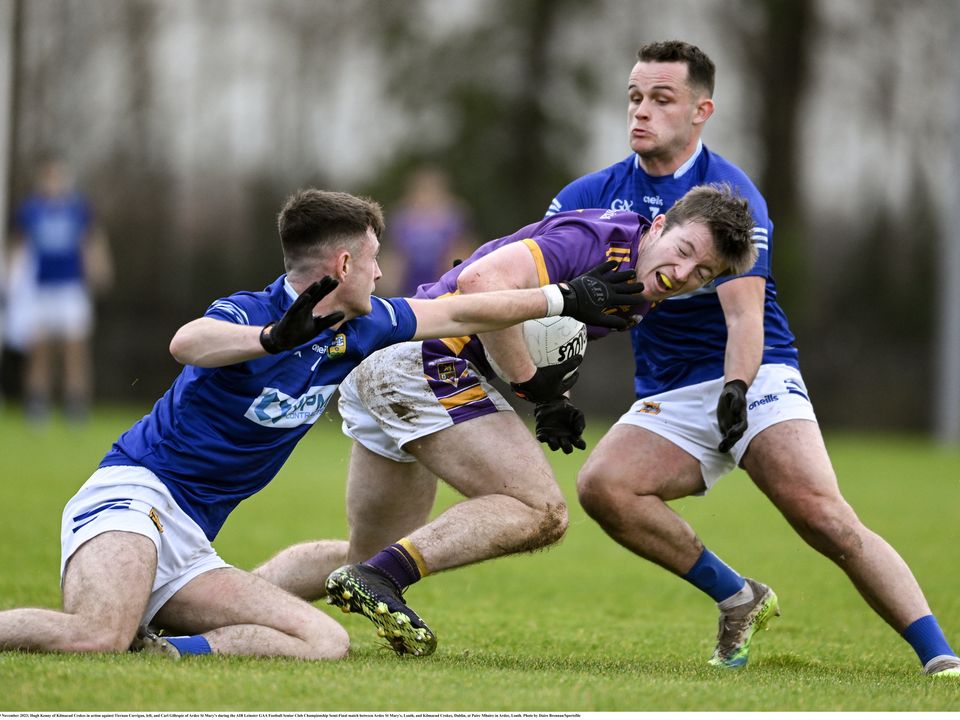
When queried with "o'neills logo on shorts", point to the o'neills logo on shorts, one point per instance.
{"points": [[762, 401], [650, 408]]}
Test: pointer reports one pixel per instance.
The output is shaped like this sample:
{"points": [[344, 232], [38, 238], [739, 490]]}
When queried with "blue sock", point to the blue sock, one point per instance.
{"points": [[714, 577], [190, 644], [927, 640]]}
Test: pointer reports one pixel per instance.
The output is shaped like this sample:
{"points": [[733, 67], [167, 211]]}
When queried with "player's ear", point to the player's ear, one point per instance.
{"points": [[343, 264], [656, 225], [703, 111]]}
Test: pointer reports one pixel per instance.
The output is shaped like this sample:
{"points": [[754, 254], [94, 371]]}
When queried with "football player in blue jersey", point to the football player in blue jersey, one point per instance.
{"points": [[729, 394], [57, 237], [260, 369]]}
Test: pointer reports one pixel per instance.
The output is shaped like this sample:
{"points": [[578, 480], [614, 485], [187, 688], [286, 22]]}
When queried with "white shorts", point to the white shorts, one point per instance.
{"points": [[399, 394], [132, 499], [687, 416], [18, 315], [62, 312]]}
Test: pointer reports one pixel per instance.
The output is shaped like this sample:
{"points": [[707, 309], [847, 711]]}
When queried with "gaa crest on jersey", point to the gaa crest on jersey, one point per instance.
{"points": [[274, 408], [338, 346]]}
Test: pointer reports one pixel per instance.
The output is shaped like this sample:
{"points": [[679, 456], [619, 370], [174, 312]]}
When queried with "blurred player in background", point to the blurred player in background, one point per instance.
{"points": [[67, 255], [19, 278], [742, 358], [428, 229], [423, 410], [260, 369]]}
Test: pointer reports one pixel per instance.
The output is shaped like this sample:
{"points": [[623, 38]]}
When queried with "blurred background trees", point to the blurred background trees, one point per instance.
{"points": [[190, 121]]}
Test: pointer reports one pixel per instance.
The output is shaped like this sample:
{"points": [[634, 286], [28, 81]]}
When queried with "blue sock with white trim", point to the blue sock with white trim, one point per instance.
{"points": [[927, 639], [714, 577], [190, 644]]}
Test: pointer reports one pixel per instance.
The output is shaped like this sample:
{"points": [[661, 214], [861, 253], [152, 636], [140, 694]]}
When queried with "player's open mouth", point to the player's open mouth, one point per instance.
{"points": [[664, 281]]}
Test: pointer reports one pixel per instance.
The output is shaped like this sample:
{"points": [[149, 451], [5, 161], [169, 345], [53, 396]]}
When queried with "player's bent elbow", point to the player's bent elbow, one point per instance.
{"points": [[179, 349], [186, 350], [474, 281]]}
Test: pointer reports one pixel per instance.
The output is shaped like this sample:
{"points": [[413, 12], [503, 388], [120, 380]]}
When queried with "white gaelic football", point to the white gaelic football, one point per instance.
{"points": [[550, 341]]}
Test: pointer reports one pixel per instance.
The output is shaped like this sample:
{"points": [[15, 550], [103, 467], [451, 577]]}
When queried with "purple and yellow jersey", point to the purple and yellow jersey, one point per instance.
{"points": [[685, 340], [563, 246]]}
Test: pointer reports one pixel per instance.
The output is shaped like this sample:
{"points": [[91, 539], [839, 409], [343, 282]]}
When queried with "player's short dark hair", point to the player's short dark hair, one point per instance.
{"points": [[313, 219], [700, 68], [727, 214]]}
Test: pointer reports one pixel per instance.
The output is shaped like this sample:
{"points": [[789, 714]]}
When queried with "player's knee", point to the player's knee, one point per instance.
{"points": [[553, 525], [336, 645], [831, 526], [326, 640], [595, 491], [94, 639], [547, 528]]}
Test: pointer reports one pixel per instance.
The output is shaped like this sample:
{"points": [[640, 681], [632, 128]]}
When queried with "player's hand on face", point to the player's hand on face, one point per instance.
{"points": [[587, 297], [732, 413], [560, 425], [595, 296], [298, 324], [549, 382]]}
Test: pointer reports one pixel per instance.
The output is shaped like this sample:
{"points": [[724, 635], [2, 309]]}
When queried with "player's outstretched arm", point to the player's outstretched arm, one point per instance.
{"points": [[586, 298], [208, 342], [510, 266]]}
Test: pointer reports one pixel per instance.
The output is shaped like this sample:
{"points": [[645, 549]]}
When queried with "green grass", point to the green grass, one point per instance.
{"points": [[582, 627]]}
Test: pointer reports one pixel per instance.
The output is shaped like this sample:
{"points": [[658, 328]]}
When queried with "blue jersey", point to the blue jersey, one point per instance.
{"points": [[684, 341], [55, 229], [219, 435]]}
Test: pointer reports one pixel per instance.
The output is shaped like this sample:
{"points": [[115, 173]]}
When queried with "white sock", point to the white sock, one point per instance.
{"points": [[741, 597]]}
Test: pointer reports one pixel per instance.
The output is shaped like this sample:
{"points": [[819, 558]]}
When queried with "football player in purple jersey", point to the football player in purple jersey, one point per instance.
{"points": [[423, 410]]}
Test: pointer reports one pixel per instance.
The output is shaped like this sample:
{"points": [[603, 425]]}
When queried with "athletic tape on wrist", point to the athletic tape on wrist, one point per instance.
{"points": [[554, 300]]}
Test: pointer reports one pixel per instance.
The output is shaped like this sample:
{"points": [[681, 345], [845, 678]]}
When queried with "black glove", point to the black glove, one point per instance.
{"points": [[560, 425], [732, 413], [550, 382], [298, 325], [588, 295]]}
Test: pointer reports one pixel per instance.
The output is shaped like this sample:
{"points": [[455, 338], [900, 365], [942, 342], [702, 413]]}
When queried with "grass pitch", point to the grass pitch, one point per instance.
{"points": [[584, 626]]}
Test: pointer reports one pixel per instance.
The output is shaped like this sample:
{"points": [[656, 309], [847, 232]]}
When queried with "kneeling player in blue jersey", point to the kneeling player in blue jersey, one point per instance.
{"points": [[260, 369], [422, 410]]}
